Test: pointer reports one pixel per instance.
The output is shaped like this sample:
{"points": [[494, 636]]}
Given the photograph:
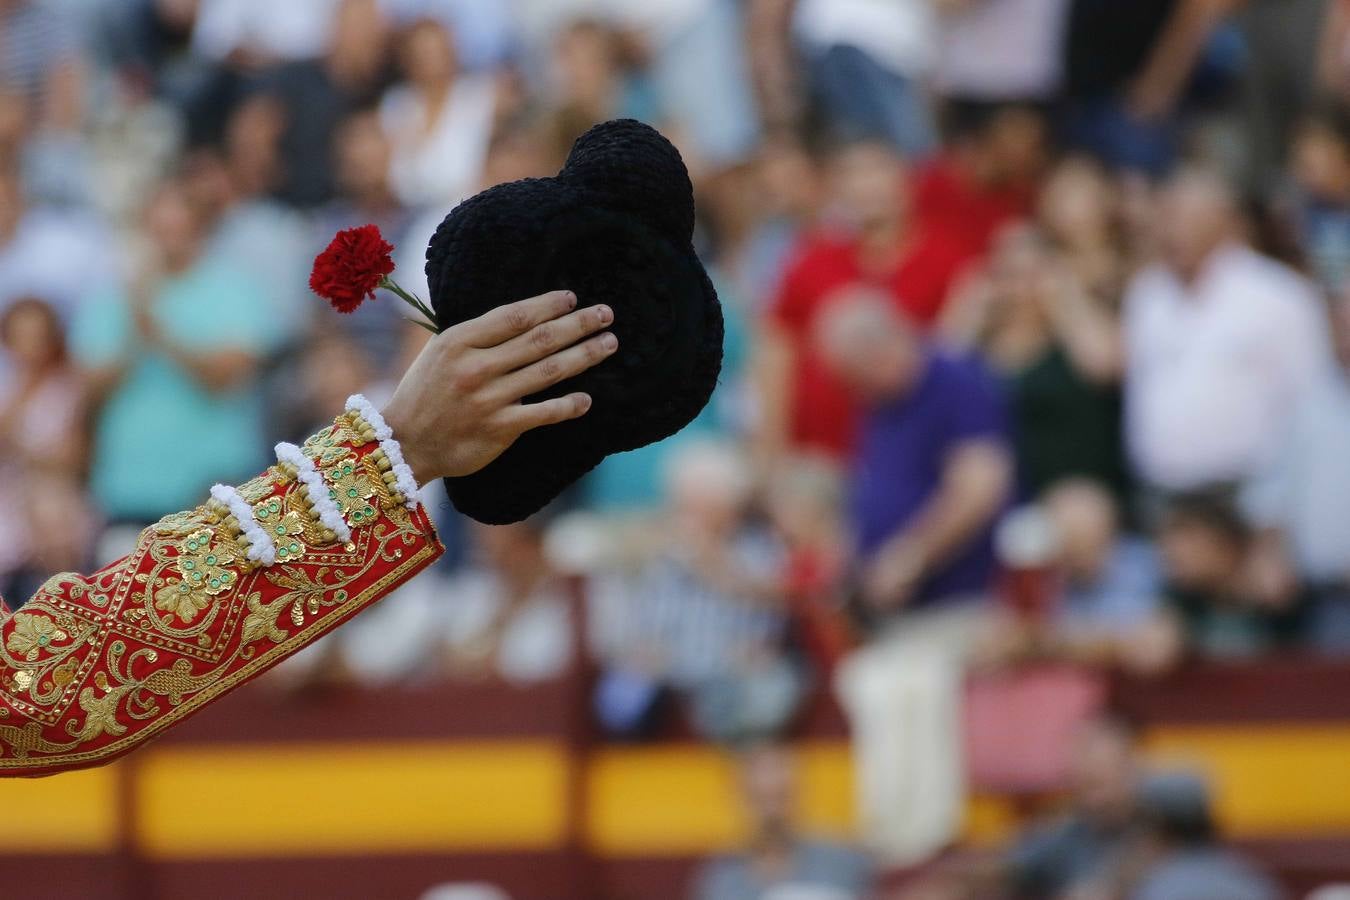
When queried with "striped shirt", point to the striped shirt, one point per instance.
{"points": [[698, 630], [34, 42]]}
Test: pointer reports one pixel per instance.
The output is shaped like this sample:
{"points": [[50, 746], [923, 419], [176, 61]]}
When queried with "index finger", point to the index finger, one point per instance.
{"points": [[506, 322]]}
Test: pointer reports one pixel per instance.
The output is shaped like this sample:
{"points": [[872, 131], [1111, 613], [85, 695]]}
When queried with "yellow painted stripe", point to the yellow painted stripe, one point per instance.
{"points": [[446, 796], [826, 789], [1268, 780], [325, 799], [71, 813], [680, 800], [670, 800], [662, 800], [990, 820]]}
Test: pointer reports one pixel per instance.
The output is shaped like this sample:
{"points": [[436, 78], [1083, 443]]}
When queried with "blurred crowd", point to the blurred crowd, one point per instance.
{"points": [[1037, 365]]}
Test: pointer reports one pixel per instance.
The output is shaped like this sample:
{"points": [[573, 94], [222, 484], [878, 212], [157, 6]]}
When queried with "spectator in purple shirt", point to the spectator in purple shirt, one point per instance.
{"points": [[933, 463], [933, 471]]}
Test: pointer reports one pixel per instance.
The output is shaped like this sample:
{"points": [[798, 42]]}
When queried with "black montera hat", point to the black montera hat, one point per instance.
{"points": [[615, 226]]}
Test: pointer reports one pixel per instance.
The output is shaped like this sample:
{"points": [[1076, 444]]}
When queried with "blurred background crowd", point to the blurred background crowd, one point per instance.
{"points": [[1037, 367]]}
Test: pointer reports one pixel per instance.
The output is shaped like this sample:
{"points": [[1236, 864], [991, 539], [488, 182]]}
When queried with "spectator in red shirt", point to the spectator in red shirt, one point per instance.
{"points": [[870, 239], [986, 177]]}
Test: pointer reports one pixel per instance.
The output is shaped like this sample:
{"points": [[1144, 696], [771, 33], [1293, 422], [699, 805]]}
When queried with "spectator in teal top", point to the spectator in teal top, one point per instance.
{"points": [[173, 364]]}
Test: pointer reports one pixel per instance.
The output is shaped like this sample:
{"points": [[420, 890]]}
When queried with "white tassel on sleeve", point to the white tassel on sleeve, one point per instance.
{"points": [[324, 507], [260, 546], [403, 473]]}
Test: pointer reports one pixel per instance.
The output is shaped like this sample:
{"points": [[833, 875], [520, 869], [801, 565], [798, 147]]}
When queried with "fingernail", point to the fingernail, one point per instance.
{"points": [[606, 314], [584, 401], [609, 341], [571, 299]]}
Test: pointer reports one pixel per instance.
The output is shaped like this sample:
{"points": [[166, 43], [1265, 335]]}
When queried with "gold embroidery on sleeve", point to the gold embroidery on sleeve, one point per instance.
{"points": [[23, 740], [287, 529], [351, 486], [188, 589], [256, 489], [33, 635], [334, 442]]}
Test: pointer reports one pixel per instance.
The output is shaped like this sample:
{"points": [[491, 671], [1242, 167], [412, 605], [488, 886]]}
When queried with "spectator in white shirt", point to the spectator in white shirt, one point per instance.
{"points": [[511, 618], [1301, 504], [1000, 49], [57, 254], [439, 122], [1221, 343], [256, 32]]}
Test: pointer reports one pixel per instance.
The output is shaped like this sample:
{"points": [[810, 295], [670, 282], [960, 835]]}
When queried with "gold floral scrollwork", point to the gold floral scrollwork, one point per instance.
{"points": [[205, 569], [183, 523], [64, 674], [178, 598], [33, 635], [257, 489], [204, 562], [101, 712], [351, 486], [46, 689], [286, 527], [25, 739], [261, 621], [176, 682], [308, 594], [333, 443], [64, 584]]}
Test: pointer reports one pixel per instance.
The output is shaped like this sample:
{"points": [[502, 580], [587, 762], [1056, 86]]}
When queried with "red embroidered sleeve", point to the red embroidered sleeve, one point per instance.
{"points": [[93, 666]]}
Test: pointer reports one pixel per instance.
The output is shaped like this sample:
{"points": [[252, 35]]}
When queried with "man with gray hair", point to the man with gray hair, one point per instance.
{"points": [[932, 473]]}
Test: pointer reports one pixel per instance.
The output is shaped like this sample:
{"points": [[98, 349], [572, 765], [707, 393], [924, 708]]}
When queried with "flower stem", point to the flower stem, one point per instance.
{"points": [[391, 285]]}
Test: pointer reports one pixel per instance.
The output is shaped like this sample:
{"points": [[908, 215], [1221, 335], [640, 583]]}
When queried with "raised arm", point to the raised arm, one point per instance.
{"points": [[95, 665], [1171, 61]]}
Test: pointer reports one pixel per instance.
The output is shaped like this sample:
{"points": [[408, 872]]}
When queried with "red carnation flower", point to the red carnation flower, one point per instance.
{"points": [[349, 270]]}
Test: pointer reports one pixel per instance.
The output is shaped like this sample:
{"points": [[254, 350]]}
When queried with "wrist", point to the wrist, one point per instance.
{"points": [[416, 453]]}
